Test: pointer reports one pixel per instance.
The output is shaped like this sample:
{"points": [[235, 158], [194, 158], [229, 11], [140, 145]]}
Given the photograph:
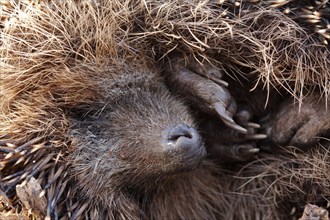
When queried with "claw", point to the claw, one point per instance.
{"points": [[253, 125], [238, 152], [257, 136], [215, 75], [220, 109], [236, 127], [251, 151], [243, 150]]}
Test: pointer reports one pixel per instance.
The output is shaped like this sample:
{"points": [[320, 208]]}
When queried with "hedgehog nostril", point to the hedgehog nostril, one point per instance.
{"points": [[181, 131]]}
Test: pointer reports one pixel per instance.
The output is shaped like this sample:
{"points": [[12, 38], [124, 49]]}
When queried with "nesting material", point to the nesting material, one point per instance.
{"points": [[54, 56]]}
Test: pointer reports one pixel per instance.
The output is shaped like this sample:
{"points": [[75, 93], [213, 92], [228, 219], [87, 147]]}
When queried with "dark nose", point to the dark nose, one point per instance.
{"points": [[182, 131], [184, 142]]}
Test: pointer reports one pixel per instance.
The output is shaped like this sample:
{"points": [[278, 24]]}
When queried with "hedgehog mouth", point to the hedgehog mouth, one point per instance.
{"points": [[191, 159]]}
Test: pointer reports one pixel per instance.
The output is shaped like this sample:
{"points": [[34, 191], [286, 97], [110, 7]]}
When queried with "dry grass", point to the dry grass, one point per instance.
{"points": [[45, 48], [292, 179], [53, 52]]}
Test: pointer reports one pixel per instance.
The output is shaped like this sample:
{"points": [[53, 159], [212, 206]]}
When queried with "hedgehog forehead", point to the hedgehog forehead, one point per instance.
{"points": [[117, 84]]}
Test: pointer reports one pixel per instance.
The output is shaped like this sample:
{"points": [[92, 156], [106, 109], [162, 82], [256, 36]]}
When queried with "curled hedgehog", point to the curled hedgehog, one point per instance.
{"points": [[89, 128]]}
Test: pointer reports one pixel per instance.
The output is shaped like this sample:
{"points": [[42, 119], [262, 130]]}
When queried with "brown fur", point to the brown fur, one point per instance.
{"points": [[65, 61], [83, 115]]}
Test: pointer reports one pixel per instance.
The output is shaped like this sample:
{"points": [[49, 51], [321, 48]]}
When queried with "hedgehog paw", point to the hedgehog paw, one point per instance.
{"points": [[300, 125], [233, 153], [203, 86]]}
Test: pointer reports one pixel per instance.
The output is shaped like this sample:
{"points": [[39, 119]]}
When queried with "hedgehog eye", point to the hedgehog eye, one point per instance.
{"points": [[83, 113]]}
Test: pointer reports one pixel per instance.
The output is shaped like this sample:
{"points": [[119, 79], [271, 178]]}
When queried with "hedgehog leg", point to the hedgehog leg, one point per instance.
{"points": [[203, 87]]}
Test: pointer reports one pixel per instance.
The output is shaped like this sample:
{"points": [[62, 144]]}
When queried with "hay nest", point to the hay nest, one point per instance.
{"points": [[45, 45]]}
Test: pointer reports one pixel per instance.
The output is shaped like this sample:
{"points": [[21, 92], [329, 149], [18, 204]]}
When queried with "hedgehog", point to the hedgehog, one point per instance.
{"points": [[287, 61], [100, 118], [86, 113]]}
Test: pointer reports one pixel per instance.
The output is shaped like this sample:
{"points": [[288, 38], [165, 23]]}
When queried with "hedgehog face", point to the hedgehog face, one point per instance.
{"points": [[143, 133], [153, 130]]}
